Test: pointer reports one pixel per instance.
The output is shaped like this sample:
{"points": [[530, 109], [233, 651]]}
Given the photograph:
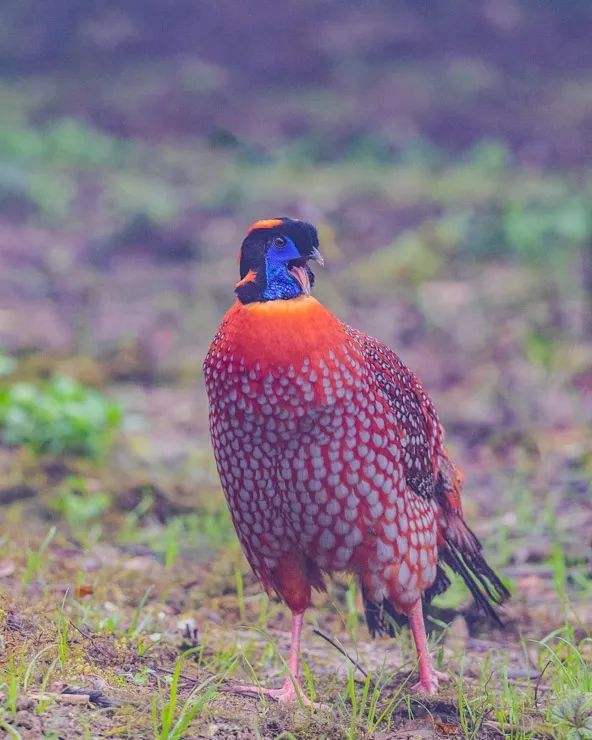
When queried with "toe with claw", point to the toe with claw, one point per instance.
{"points": [[428, 683], [289, 693]]}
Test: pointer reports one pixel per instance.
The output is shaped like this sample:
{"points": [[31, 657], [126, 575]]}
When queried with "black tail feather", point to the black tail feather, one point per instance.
{"points": [[481, 580], [438, 587], [382, 619]]}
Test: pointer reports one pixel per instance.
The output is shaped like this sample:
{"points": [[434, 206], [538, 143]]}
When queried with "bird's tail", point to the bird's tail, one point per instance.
{"points": [[460, 550]]}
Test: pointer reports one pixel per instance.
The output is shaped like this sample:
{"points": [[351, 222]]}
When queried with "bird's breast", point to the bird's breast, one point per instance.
{"points": [[277, 368]]}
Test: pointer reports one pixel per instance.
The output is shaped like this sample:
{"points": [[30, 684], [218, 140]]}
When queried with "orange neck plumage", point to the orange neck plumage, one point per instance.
{"points": [[283, 331]]}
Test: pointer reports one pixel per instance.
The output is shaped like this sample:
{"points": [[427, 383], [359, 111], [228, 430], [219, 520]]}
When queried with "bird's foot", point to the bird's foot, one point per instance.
{"points": [[428, 683], [289, 693]]}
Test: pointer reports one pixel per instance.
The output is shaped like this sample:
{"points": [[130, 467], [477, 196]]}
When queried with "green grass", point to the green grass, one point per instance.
{"points": [[11, 683], [361, 707], [172, 717], [206, 528], [36, 558], [81, 508], [370, 708], [240, 594]]}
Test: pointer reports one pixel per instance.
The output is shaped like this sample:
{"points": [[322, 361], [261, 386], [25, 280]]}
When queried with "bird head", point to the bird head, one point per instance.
{"points": [[274, 260]]}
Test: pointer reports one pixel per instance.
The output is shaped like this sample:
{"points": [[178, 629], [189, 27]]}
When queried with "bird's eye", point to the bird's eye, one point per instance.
{"points": [[279, 242]]}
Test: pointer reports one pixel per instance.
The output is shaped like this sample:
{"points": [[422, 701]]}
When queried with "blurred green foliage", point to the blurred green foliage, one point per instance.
{"points": [[480, 205], [7, 364], [58, 417], [64, 143], [408, 260], [208, 527], [77, 504]]}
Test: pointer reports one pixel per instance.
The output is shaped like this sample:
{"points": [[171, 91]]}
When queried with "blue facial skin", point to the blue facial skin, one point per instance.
{"points": [[280, 284]]}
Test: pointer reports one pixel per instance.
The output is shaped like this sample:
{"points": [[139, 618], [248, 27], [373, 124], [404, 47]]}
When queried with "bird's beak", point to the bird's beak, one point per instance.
{"points": [[316, 256]]}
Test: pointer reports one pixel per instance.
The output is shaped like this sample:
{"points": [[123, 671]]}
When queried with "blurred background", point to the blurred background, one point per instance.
{"points": [[443, 150]]}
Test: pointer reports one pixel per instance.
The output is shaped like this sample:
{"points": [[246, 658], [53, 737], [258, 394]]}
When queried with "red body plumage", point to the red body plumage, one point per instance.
{"points": [[316, 429]]}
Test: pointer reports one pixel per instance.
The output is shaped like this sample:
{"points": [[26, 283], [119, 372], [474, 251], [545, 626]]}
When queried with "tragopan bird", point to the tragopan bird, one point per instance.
{"points": [[330, 454]]}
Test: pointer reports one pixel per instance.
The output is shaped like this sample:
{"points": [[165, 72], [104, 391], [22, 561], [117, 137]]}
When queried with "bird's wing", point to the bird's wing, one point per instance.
{"points": [[431, 474], [414, 412]]}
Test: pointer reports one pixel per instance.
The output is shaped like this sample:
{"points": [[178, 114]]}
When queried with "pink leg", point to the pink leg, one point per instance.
{"points": [[290, 690], [294, 653], [428, 675]]}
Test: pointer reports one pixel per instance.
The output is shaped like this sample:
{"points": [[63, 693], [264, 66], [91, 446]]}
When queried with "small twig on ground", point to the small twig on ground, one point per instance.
{"points": [[159, 669], [342, 650], [62, 698], [75, 696], [93, 697], [86, 635]]}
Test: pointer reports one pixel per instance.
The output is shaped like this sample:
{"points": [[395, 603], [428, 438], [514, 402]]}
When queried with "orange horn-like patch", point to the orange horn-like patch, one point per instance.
{"points": [[266, 223]]}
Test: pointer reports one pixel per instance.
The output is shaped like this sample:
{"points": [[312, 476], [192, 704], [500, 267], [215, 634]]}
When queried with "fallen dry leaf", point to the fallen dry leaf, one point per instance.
{"points": [[446, 728], [83, 590]]}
